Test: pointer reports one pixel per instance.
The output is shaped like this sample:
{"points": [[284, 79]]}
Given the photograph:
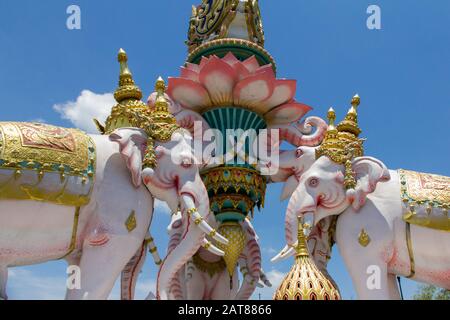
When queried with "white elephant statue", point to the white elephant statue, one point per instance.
{"points": [[109, 222], [204, 276], [292, 165], [390, 222]]}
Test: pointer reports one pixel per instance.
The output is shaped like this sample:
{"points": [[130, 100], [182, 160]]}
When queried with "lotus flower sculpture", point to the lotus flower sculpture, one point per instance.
{"points": [[228, 81]]}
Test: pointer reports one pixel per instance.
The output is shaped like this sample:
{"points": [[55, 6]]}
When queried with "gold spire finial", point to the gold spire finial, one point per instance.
{"points": [[356, 100], [305, 281], [127, 88], [302, 246], [163, 123], [161, 103], [331, 115], [350, 122], [128, 97], [341, 143]]}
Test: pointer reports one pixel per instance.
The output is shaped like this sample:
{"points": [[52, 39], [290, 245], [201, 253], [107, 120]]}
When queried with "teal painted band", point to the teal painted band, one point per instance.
{"points": [[241, 52], [233, 117], [230, 216]]}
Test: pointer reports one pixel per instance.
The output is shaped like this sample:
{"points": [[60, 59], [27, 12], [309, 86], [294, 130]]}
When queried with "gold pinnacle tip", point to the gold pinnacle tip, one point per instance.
{"points": [[302, 246], [122, 55], [160, 85], [356, 100], [331, 115]]}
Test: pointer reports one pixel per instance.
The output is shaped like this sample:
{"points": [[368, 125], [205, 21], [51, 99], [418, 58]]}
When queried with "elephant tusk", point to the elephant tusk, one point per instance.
{"points": [[205, 227], [212, 248], [283, 254]]}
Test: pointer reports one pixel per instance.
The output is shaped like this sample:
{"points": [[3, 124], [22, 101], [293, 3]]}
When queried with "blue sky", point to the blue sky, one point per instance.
{"points": [[402, 73]]}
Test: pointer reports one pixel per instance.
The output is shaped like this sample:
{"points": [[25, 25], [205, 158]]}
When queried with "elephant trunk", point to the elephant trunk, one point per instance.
{"points": [[194, 233], [300, 203], [299, 134], [251, 265], [131, 272]]}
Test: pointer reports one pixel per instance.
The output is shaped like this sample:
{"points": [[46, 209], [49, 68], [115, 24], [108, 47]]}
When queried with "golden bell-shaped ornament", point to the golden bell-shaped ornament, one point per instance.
{"points": [[305, 281], [232, 230]]}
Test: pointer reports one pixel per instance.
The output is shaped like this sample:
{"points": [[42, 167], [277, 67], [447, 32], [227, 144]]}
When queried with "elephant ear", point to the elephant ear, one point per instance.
{"points": [[368, 172], [289, 187], [132, 144]]}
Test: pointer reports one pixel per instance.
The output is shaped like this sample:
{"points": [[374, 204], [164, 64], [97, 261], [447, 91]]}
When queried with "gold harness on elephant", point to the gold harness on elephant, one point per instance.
{"points": [[42, 162], [431, 192], [33, 154]]}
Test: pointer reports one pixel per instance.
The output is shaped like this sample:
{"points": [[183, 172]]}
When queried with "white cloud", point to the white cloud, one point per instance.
{"points": [[88, 105], [269, 250]]}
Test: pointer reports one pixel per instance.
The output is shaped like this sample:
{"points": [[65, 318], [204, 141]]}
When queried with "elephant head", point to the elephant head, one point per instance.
{"points": [[321, 190], [176, 180]]}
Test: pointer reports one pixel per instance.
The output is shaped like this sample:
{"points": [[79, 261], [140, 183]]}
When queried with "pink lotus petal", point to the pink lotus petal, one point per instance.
{"points": [[283, 92], [193, 67], [254, 89], [188, 93], [230, 59], [266, 68], [218, 77], [251, 64], [287, 113], [189, 74], [241, 71], [203, 62]]}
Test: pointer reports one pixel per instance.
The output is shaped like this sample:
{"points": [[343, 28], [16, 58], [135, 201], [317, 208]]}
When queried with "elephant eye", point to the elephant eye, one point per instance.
{"points": [[313, 182], [186, 164], [298, 153]]}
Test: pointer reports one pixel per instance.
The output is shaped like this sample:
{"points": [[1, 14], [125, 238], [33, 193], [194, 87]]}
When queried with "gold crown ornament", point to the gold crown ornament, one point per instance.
{"points": [[128, 96], [342, 143], [305, 281], [130, 111]]}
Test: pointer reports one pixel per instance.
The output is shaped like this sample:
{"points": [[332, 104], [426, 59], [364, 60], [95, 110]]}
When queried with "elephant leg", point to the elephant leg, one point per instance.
{"points": [[222, 289], [370, 279], [72, 261], [368, 272], [3, 280], [394, 292], [195, 286], [100, 266]]}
